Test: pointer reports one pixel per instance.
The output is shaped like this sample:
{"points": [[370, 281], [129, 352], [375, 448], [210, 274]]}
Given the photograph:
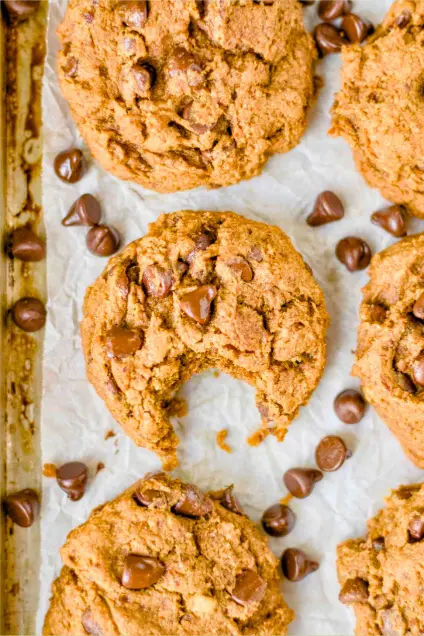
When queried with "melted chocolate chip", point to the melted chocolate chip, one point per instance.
{"points": [[182, 62], [197, 304], [405, 383], [72, 478], [202, 243], [90, 625], [29, 314], [255, 254], [145, 76], [418, 370], [333, 9], [278, 520], [249, 588], [85, 211], [331, 453], [296, 564], [157, 281], [193, 503], [329, 38], [148, 497], [122, 342], [301, 481], [70, 165], [228, 500], [26, 246], [356, 29], [134, 13], [242, 268], [22, 507], [354, 591], [378, 544], [392, 219], [349, 406], [418, 308], [354, 253], [416, 528], [103, 240], [141, 572], [403, 19], [327, 208]]}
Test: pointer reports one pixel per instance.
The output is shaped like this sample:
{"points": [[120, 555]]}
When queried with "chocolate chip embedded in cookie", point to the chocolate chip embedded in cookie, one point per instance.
{"points": [[380, 574], [148, 569], [175, 95], [203, 289], [382, 122]]}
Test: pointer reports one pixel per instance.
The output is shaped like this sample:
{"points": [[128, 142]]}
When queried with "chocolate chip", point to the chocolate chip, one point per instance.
{"points": [[331, 453], [20, 10], [197, 303], [416, 528], [327, 208], [122, 342], [255, 254], [25, 245], [70, 68], [228, 500], [193, 503], [202, 243], [249, 588], [329, 38], [356, 29], [148, 497], [72, 478], [242, 268], [198, 128], [403, 19], [184, 62], [418, 308], [145, 76], [90, 625], [378, 544], [392, 219], [296, 564], [278, 520], [301, 481], [333, 9], [22, 507], [354, 253], [29, 314], [103, 240], [157, 281], [418, 370], [141, 572], [376, 313], [70, 165], [134, 14], [85, 211], [354, 591], [405, 383], [349, 406]]}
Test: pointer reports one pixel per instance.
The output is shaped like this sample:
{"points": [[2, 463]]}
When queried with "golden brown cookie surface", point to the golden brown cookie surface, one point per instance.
{"points": [[380, 108], [205, 569], [390, 347], [201, 290], [175, 95]]}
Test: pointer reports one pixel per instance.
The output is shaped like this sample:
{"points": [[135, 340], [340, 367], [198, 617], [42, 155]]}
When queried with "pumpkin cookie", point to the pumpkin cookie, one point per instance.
{"points": [[165, 559], [200, 290], [380, 108], [175, 95]]}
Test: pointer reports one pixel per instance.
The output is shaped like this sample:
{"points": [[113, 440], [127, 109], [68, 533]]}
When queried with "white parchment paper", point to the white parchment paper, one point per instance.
{"points": [[75, 420]]}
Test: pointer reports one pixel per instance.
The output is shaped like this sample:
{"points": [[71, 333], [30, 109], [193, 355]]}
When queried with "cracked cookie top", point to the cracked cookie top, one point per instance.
{"points": [[165, 559], [182, 93], [380, 108], [200, 290]]}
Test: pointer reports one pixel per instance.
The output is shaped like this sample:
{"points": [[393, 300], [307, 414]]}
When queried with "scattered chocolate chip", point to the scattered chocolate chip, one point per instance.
{"points": [[416, 528], [145, 76], [378, 544], [199, 129], [329, 38], [356, 29], [122, 342], [182, 61], [392, 219], [418, 308], [331, 453], [148, 497], [296, 564], [72, 478], [85, 211], [241, 267], [333, 9], [29, 314], [327, 208], [193, 503], [202, 243], [70, 68], [26, 246], [134, 13], [354, 591], [103, 240], [349, 406], [157, 281], [90, 625], [20, 10], [228, 500], [70, 165], [278, 520], [405, 383], [249, 588], [197, 303], [301, 481], [22, 507], [418, 370], [403, 19], [354, 253], [141, 571], [255, 254], [376, 313]]}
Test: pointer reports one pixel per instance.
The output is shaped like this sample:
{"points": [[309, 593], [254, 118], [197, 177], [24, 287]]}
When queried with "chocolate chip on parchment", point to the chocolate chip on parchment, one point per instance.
{"points": [[418, 308], [85, 211], [72, 478], [22, 507], [327, 208], [418, 370], [70, 165], [329, 38], [122, 342], [26, 246], [378, 544], [349, 406], [296, 564], [403, 19], [228, 500], [29, 314], [90, 625], [249, 588], [278, 520], [157, 281], [357, 29], [242, 268], [141, 571], [301, 481], [354, 591], [193, 503], [197, 303], [416, 528], [145, 76], [134, 13], [103, 240], [20, 10], [391, 219], [333, 9], [354, 253], [331, 453]]}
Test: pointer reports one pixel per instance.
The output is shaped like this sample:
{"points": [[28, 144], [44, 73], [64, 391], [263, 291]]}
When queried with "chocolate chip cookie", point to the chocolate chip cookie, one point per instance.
{"points": [[390, 352], [380, 108], [165, 559], [381, 575], [175, 95], [201, 290]]}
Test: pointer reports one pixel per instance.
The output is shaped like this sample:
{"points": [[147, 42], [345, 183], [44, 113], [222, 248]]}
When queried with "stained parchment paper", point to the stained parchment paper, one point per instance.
{"points": [[75, 420]]}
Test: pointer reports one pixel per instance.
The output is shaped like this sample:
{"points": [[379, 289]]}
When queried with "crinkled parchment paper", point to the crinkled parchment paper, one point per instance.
{"points": [[75, 420]]}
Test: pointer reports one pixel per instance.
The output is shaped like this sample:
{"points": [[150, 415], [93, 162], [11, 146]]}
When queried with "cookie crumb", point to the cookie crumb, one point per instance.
{"points": [[49, 470], [110, 433], [221, 436], [216, 374], [100, 467], [169, 463], [258, 437], [286, 500]]}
